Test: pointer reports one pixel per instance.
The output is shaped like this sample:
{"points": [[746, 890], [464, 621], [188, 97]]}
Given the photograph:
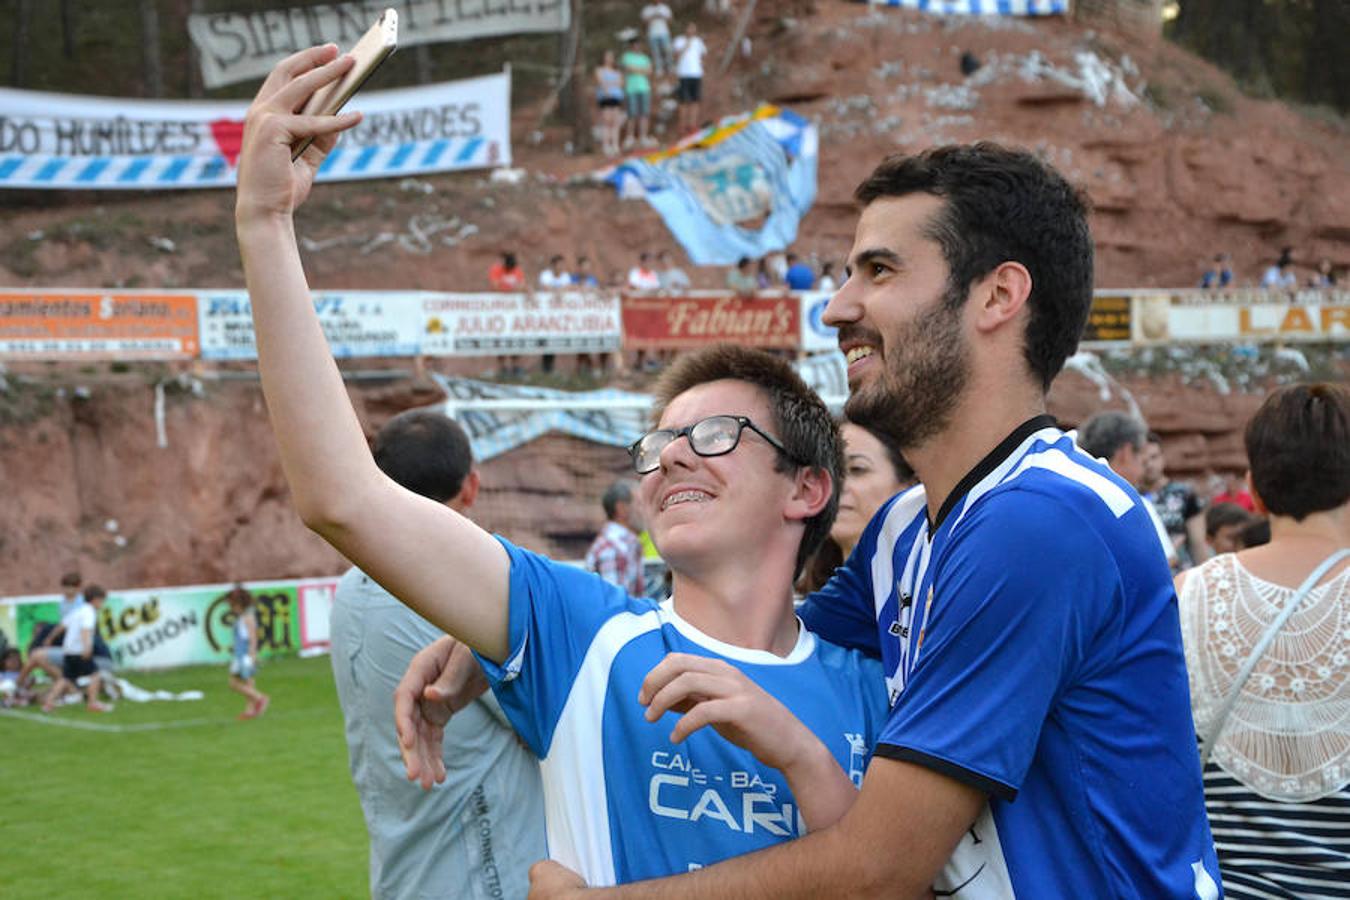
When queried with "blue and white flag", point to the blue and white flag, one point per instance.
{"points": [[712, 188], [72, 142]]}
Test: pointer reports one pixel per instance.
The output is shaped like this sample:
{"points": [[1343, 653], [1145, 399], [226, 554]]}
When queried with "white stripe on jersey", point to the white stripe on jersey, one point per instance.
{"points": [[1000, 472], [902, 512], [576, 808], [1058, 461]]}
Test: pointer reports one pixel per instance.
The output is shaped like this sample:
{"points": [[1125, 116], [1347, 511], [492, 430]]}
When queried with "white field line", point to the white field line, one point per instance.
{"points": [[108, 728]]}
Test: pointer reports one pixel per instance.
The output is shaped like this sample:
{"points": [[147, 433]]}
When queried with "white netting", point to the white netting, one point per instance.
{"points": [[1288, 735]]}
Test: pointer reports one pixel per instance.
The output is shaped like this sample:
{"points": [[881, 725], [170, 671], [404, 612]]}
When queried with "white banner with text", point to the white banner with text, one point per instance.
{"points": [[76, 142]]}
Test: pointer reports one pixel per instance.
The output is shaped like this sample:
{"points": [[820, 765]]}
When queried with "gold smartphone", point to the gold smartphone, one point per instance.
{"points": [[372, 49]]}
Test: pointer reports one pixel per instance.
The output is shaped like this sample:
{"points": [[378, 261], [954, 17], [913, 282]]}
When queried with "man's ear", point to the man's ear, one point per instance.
{"points": [[468, 491], [810, 493], [1001, 295]]}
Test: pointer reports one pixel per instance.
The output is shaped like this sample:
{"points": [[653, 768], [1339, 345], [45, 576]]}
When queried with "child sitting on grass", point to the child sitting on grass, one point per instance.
{"points": [[244, 661]]}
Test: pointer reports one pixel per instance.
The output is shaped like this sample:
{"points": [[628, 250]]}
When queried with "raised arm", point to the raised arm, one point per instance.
{"points": [[433, 559]]}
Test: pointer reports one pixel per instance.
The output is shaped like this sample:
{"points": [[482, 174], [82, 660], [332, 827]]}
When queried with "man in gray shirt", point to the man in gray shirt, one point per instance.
{"points": [[475, 834]]}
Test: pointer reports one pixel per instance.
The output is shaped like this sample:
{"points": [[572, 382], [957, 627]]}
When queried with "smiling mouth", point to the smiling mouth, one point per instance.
{"points": [[684, 497], [857, 353]]}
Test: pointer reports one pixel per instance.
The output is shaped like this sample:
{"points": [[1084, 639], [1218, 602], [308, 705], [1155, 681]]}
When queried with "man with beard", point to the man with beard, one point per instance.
{"points": [[1019, 603]]}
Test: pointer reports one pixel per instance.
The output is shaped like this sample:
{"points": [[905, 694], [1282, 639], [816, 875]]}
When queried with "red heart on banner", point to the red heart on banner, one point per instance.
{"points": [[229, 135]]}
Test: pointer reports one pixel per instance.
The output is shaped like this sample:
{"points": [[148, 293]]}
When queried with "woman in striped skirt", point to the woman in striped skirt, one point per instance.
{"points": [[1278, 781]]}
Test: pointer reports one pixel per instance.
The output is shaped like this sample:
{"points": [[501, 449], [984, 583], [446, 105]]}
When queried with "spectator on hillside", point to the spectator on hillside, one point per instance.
{"points": [[1181, 510], [799, 276], [1232, 488], [827, 280], [423, 842], [776, 264], [637, 90], [690, 50], [1118, 439], [77, 652], [554, 277], [674, 280], [616, 553], [1223, 526], [643, 277], [582, 276], [1269, 691], [609, 100], [1324, 277], [657, 16], [763, 280], [741, 279], [1281, 274], [1219, 274], [507, 275]]}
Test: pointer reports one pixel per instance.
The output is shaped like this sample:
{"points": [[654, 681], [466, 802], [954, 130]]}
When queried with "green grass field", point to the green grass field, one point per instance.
{"points": [[179, 799]]}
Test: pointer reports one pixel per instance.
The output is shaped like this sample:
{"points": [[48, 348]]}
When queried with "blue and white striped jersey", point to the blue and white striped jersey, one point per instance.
{"points": [[1032, 649], [621, 801]]}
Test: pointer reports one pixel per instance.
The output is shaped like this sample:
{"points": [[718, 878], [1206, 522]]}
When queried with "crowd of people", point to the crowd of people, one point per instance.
{"points": [[990, 685], [631, 83], [660, 273], [984, 642], [657, 274], [1279, 275]]}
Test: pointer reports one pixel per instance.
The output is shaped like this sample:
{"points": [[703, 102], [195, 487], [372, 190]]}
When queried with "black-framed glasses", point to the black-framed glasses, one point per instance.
{"points": [[713, 436]]}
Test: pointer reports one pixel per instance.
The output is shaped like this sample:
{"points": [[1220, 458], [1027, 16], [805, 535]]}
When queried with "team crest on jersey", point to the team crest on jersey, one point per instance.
{"points": [[857, 757]]}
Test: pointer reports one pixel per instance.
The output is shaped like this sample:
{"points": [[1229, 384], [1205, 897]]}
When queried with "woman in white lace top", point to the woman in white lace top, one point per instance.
{"points": [[1278, 782]]}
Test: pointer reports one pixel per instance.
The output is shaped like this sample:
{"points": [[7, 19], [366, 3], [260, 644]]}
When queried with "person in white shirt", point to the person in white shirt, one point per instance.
{"points": [[658, 16], [77, 646], [1281, 275], [689, 50], [642, 277], [827, 281], [674, 280], [555, 277]]}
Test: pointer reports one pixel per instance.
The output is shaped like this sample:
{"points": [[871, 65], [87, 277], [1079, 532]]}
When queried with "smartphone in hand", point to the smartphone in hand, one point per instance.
{"points": [[372, 49]]}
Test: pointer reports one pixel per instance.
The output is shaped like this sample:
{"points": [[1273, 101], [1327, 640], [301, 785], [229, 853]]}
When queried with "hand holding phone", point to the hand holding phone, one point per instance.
{"points": [[372, 49]]}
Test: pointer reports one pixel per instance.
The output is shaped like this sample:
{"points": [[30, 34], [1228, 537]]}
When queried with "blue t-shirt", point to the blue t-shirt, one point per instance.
{"points": [[622, 802], [799, 277], [1032, 649]]}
